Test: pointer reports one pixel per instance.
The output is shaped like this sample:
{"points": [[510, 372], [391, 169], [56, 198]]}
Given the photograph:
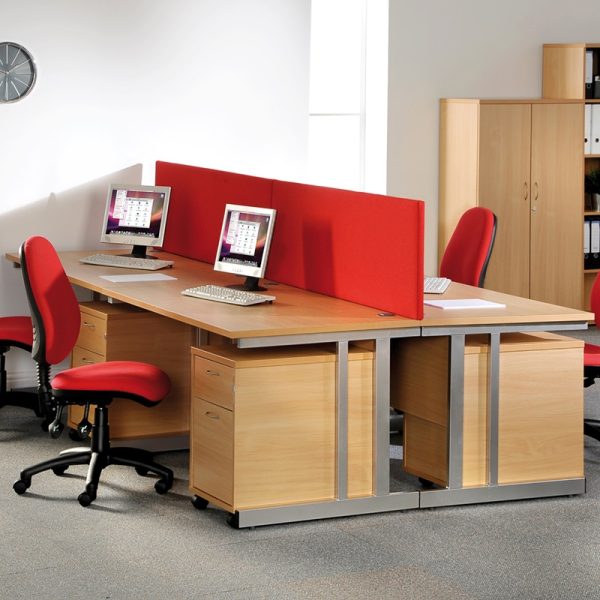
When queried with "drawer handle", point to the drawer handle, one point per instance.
{"points": [[89, 325], [213, 373], [212, 415], [88, 361]]}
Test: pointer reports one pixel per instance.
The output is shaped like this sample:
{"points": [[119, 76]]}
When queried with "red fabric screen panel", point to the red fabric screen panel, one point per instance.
{"points": [[197, 205], [365, 248]]}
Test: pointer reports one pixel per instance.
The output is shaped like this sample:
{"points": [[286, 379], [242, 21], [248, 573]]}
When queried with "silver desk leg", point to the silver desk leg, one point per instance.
{"points": [[342, 420], [456, 410], [493, 406], [382, 417]]}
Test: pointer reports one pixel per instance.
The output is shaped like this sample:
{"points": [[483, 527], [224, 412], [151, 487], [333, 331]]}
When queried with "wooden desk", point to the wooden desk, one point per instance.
{"points": [[520, 315], [295, 311], [301, 317]]}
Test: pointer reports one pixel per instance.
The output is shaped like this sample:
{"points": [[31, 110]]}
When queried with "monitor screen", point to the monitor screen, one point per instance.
{"points": [[137, 215], [244, 243]]}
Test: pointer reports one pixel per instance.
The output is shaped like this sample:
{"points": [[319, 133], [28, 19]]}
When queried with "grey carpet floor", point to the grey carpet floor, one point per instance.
{"points": [[132, 543]]}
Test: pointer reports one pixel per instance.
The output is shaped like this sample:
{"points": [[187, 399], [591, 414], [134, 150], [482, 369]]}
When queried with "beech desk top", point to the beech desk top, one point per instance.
{"points": [[295, 311], [517, 310]]}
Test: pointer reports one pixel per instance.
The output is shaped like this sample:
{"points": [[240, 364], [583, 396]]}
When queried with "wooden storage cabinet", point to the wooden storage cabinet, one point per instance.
{"points": [[264, 425], [564, 76], [524, 161], [123, 332], [540, 408]]}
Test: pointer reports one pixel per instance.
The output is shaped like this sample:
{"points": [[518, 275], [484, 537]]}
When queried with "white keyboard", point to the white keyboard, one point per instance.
{"points": [[228, 295], [436, 285], [127, 262]]}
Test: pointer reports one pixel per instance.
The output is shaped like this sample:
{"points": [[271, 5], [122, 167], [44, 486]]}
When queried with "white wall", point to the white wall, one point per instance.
{"points": [[123, 83], [210, 82], [464, 48]]}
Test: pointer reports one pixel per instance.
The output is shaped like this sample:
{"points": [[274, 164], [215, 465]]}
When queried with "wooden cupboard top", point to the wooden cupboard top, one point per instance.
{"points": [[511, 101], [573, 45]]}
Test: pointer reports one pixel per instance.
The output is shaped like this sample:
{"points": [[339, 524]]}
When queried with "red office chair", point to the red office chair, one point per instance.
{"points": [[56, 321], [468, 252], [16, 332], [591, 361]]}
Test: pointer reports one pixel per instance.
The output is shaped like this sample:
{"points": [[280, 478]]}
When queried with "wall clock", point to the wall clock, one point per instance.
{"points": [[17, 72]]}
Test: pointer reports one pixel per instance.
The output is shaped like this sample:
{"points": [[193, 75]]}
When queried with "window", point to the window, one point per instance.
{"points": [[348, 94]]}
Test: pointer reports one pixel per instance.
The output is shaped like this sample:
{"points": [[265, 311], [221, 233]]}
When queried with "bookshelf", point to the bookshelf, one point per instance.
{"points": [[539, 196], [569, 72]]}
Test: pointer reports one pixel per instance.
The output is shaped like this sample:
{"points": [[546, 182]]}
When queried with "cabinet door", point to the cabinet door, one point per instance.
{"points": [[211, 466], [540, 433], [285, 441], [504, 188], [557, 164]]}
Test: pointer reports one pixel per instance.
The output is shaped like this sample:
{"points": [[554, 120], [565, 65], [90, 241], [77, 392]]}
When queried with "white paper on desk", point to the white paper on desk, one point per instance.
{"points": [[464, 303], [137, 277]]}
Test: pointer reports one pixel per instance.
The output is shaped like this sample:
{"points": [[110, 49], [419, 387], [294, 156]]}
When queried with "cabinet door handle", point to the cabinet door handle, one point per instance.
{"points": [[213, 373], [536, 191], [89, 325], [525, 191], [212, 415]]}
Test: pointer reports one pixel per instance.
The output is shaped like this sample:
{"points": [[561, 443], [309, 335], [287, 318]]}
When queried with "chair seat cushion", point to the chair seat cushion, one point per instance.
{"points": [[127, 377], [591, 355], [16, 329]]}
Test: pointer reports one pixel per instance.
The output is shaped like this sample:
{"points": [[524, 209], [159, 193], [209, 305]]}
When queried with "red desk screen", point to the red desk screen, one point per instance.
{"points": [[366, 248]]}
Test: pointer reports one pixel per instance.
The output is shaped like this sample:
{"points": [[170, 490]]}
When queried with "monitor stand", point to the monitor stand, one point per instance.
{"points": [[139, 252], [250, 285]]}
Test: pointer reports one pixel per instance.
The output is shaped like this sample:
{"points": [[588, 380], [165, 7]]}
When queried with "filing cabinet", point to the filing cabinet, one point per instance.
{"points": [[123, 332], [540, 425], [263, 429]]}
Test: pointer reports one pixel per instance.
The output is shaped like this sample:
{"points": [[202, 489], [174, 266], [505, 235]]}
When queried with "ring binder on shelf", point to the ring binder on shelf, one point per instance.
{"points": [[587, 147], [595, 126], [586, 242], [589, 73], [593, 261]]}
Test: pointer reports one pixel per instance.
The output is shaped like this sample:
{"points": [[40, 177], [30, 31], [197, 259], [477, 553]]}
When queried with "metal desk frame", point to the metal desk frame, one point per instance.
{"points": [[382, 500]]}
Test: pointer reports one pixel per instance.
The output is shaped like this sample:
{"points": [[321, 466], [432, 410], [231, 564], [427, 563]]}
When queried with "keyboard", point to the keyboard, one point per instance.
{"points": [[127, 262], [436, 285], [228, 295]]}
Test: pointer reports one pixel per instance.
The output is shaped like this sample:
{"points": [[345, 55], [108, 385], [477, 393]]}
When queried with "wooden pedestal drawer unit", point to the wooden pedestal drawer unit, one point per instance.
{"points": [[540, 408], [263, 427], [123, 332]]}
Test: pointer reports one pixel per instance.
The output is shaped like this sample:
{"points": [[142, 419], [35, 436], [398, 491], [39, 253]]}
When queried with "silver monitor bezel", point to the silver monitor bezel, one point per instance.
{"points": [[135, 240], [244, 269]]}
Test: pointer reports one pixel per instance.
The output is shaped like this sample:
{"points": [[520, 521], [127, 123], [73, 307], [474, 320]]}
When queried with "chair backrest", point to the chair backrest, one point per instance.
{"points": [[468, 252], [52, 301]]}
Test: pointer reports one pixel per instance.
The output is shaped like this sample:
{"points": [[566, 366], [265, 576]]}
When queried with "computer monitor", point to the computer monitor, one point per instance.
{"points": [[137, 215], [244, 243]]}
